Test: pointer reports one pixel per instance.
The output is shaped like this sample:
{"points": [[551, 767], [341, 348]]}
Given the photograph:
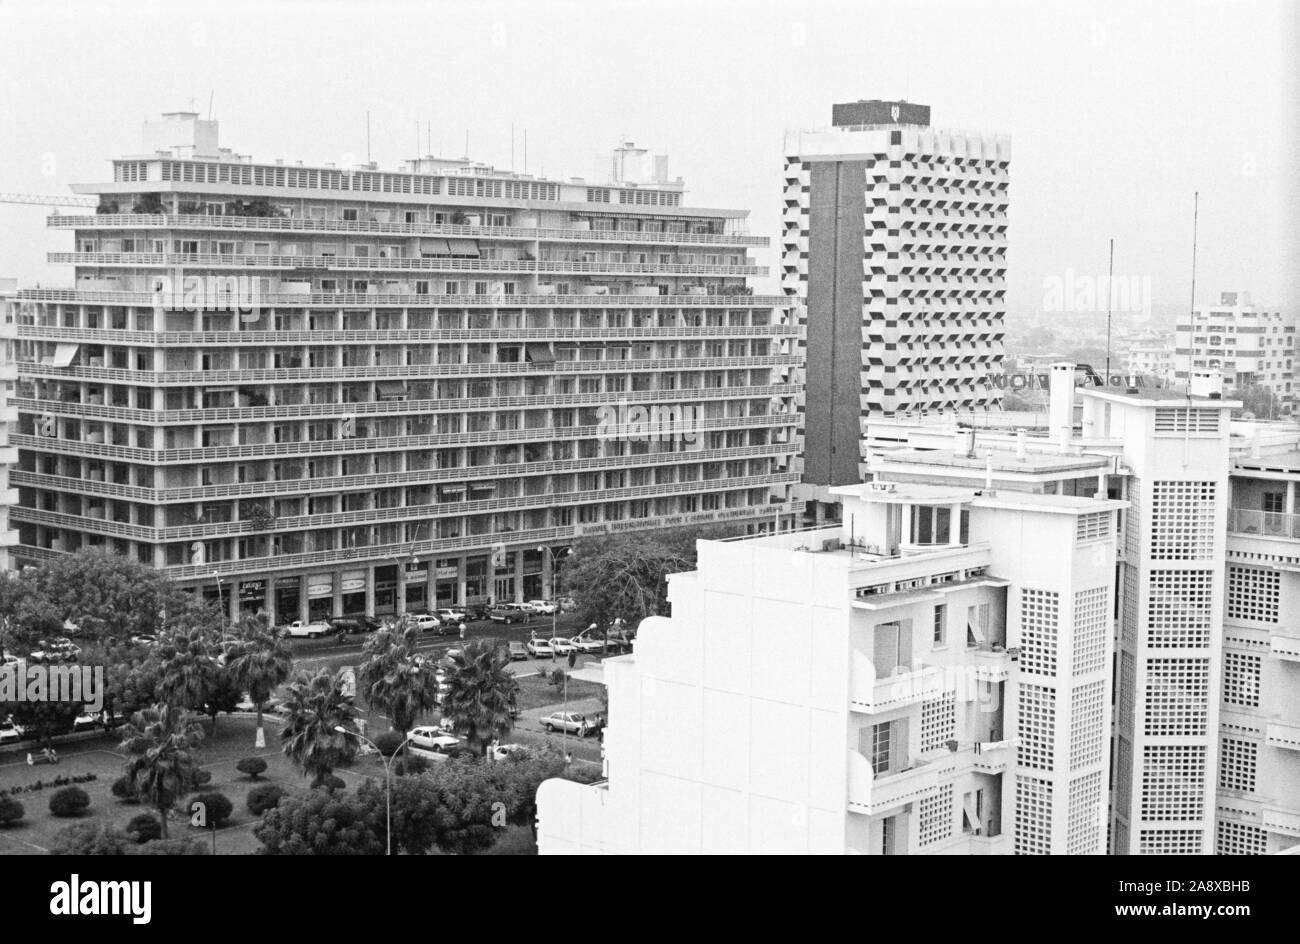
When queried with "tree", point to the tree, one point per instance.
{"points": [[323, 823], [44, 719], [251, 767], [11, 811], [189, 669], [624, 577], [259, 662], [160, 743], [482, 696], [1256, 399], [84, 839], [316, 706], [224, 695], [69, 802], [396, 679]]}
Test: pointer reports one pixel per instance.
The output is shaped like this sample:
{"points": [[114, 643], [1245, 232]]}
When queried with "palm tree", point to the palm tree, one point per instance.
{"points": [[259, 662], [159, 743], [482, 696], [396, 679], [189, 668], [316, 706]]}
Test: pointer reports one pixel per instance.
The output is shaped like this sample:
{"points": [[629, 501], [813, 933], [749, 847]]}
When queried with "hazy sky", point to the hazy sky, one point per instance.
{"points": [[1117, 111]]}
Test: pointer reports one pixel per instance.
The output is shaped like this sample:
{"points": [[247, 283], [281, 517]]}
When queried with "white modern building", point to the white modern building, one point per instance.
{"points": [[8, 419], [895, 235], [317, 390], [1251, 346], [931, 675]]}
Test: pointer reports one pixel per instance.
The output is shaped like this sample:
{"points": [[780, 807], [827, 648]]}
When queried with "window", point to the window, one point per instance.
{"points": [[350, 215], [940, 624]]}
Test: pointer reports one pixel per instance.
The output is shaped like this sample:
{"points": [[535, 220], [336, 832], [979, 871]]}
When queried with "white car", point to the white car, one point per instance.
{"points": [[432, 738], [426, 622], [562, 646], [506, 751], [453, 616], [10, 732], [584, 643], [569, 721], [540, 648], [312, 629], [545, 607]]}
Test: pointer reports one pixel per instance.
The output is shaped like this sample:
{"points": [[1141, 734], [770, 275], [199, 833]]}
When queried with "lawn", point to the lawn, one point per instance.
{"points": [[219, 754], [537, 692]]}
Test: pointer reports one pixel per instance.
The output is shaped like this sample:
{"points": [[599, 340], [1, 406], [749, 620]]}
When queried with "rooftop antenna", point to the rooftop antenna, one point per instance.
{"points": [[367, 137], [512, 147], [428, 131], [466, 144], [1110, 299], [525, 150], [211, 94], [1196, 210]]}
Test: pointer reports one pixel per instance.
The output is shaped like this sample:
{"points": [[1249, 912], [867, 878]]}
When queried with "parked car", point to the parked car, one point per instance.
{"points": [[588, 643], [507, 751], [539, 648], [425, 622], [355, 624], [10, 733], [144, 639], [433, 738], [544, 607], [510, 613], [7, 659], [453, 615], [561, 645], [59, 649], [311, 629], [477, 612], [566, 604], [86, 722], [516, 650], [569, 721]]}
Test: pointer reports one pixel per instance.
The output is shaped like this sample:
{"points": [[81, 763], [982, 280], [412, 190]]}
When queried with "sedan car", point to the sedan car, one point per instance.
{"points": [[310, 629], [453, 615], [426, 622], [10, 732], [510, 613], [433, 738], [562, 646], [144, 639], [539, 648], [516, 650], [569, 721], [507, 751], [545, 607]]}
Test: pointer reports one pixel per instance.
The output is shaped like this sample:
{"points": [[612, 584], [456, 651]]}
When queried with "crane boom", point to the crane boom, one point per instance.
{"points": [[43, 200]]}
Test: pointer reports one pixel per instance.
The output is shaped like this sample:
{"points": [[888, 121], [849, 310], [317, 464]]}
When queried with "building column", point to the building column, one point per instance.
{"points": [[304, 605], [460, 580], [370, 590], [401, 588], [336, 607], [431, 584], [269, 606], [548, 574], [1290, 498], [954, 526], [519, 577]]}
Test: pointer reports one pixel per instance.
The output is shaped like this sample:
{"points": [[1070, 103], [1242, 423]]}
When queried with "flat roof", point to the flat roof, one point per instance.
{"points": [[905, 493], [1156, 395], [1004, 460], [1281, 462], [1055, 504]]}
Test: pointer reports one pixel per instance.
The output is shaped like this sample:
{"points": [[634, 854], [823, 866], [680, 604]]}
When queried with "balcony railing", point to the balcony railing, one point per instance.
{"points": [[177, 301], [279, 224], [335, 484], [289, 411], [1263, 523], [212, 261], [441, 546]]}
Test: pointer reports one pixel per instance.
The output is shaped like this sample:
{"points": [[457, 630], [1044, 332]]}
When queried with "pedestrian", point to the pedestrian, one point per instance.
{"points": [[462, 632]]}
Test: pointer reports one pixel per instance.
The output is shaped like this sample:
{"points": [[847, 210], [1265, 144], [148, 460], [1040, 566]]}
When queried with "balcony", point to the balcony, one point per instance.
{"points": [[1282, 734], [1286, 648], [871, 794], [1264, 524], [1280, 819], [871, 695]]}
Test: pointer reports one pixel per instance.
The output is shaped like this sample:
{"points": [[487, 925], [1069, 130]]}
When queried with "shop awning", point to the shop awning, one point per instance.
{"points": [[437, 247], [63, 355], [463, 247], [539, 353]]}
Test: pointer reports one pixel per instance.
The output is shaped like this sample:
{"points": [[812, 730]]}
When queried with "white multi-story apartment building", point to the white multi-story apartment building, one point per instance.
{"points": [[1247, 344], [895, 235], [1206, 746], [929, 676], [316, 390], [1151, 356]]}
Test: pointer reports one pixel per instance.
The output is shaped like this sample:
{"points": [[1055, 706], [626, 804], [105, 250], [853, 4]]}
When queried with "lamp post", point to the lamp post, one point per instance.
{"points": [[554, 571], [388, 777], [221, 602]]}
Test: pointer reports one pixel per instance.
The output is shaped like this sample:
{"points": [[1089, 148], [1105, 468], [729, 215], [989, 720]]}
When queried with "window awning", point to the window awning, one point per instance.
{"points": [[392, 388], [539, 353], [63, 355], [463, 247], [437, 247]]}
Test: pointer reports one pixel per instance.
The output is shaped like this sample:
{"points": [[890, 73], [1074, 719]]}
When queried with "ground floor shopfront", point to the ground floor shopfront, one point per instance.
{"points": [[389, 588]]}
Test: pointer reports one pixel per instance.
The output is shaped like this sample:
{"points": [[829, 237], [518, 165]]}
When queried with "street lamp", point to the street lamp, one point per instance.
{"points": [[554, 571], [388, 776], [221, 602]]}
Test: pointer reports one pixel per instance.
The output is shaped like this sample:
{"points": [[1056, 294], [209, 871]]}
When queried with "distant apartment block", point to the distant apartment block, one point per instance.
{"points": [[932, 675], [895, 234], [8, 420], [1151, 356], [314, 390], [1251, 346]]}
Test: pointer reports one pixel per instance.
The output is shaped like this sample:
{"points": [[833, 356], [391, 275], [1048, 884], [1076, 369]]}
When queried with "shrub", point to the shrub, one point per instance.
{"points": [[415, 764], [69, 802], [124, 790], [90, 839], [145, 828], [264, 797], [332, 783], [172, 847], [252, 767], [216, 808], [202, 778], [514, 840], [11, 811], [389, 742]]}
